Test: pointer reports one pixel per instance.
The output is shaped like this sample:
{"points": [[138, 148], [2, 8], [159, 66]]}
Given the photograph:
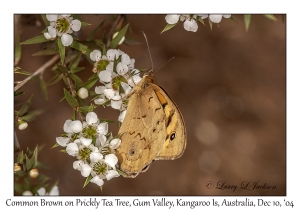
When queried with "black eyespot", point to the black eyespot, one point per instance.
{"points": [[172, 136], [131, 152], [154, 130]]}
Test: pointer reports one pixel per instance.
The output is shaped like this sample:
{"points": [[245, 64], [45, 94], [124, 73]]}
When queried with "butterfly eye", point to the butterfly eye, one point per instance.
{"points": [[172, 136]]}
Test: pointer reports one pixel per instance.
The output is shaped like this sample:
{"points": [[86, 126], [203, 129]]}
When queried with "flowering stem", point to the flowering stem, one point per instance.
{"points": [[73, 92], [112, 30], [41, 69]]}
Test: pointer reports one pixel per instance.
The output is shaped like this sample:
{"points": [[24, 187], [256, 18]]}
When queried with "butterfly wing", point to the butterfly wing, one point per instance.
{"points": [[142, 132], [175, 141]]}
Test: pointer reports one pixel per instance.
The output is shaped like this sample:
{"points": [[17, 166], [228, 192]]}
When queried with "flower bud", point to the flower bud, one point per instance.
{"points": [[122, 40], [27, 193], [34, 173], [83, 93], [17, 167], [22, 125]]}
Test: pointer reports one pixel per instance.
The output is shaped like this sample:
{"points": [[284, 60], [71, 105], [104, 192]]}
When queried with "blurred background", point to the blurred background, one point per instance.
{"points": [[229, 84]]}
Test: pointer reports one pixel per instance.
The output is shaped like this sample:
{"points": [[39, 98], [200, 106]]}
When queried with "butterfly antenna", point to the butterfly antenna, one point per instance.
{"points": [[165, 64], [149, 51]]}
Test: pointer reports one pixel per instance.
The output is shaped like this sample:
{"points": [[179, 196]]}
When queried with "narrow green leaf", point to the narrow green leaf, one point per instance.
{"points": [[80, 47], [63, 151], [55, 79], [28, 164], [62, 99], [271, 17], [247, 20], [75, 62], [210, 24], [62, 68], [87, 180], [32, 115], [92, 93], [45, 52], [76, 79], [44, 88], [114, 43], [20, 158], [131, 40], [18, 93], [22, 72], [85, 24], [106, 120], [17, 50], [55, 145], [201, 20], [168, 27], [46, 21], [25, 106], [77, 69], [86, 109], [121, 172], [26, 184], [33, 160], [70, 99], [20, 173], [93, 77], [35, 40], [95, 31], [61, 50], [90, 83]]}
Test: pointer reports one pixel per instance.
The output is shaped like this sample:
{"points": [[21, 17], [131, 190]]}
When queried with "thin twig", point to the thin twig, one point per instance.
{"points": [[73, 92], [41, 69], [112, 30]]}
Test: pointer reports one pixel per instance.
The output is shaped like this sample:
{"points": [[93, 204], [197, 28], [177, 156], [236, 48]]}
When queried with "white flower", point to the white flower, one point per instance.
{"points": [[91, 118], [27, 193], [42, 191], [122, 116], [63, 26], [190, 25], [83, 93], [172, 19], [23, 125], [85, 170], [215, 18], [95, 55], [71, 128], [72, 149], [112, 54]]}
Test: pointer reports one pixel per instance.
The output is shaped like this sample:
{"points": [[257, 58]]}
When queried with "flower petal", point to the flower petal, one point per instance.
{"points": [[215, 18], [75, 25], [85, 170], [127, 89], [100, 141], [91, 118], [134, 80], [67, 128], [54, 191], [172, 19], [105, 76], [85, 142], [66, 39], [102, 128], [125, 59], [100, 100], [99, 89], [226, 16], [27, 193], [203, 16], [122, 68], [95, 55], [52, 31], [190, 25], [110, 67], [62, 141], [72, 149], [77, 164], [111, 174], [115, 143], [111, 160], [47, 35], [76, 126], [132, 61], [41, 191], [97, 181], [51, 17], [109, 93], [112, 54], [122, 116], [96, 156], [116, 104]]}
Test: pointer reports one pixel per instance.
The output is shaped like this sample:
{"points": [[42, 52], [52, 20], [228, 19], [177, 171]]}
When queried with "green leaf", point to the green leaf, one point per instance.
{"points": [[18, 93], [63, 151], [26, 184], [87, 180], [77, 80], [25, 106], [61, 50], [44, 88], [114, 43], [106, 120], [121, 172], [247, 20], [131, 40], [35, 40], [32, 115], [210, 24], [45, 52], [77, 69], [28, 164], [168, 27], [55, 79], [76, 45], [46, 21], [75, 62], [62, 99], [85, 24], [95, 31], [63, 69], [20, 158], [271, 17], [70, 99], [90, 83], [93, 77], [20, 173], [18, 188], [17, 49], [33, 160], [19, 71], [55, 145]]}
